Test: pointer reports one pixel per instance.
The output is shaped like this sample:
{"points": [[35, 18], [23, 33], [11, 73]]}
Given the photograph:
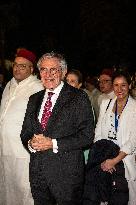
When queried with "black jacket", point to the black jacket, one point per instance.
{"points": [[102, 186]]}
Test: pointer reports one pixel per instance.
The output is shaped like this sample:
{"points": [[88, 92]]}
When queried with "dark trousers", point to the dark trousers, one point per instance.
{"points": [[54, 190], [45, 197], [57, 179]]}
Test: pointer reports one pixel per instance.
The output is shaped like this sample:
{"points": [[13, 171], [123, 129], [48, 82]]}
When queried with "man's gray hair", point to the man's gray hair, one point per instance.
{"points": [[63, 63]]}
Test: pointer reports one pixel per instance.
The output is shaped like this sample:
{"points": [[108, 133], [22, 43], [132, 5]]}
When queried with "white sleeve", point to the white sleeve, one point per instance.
{"points": [[55, 146], [30, 148]]}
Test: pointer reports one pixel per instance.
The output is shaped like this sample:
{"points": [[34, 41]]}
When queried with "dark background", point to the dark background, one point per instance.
{"points": [[92, 34]]}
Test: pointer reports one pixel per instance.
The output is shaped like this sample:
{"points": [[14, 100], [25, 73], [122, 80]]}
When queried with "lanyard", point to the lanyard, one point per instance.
{"points": [[116, 115]]}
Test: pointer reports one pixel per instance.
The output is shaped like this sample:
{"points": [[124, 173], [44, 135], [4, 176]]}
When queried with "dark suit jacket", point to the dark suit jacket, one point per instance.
{"points": [[103, 186], [71, 124]]}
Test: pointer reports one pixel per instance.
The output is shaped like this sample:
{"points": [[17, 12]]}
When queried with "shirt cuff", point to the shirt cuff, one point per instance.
{"points": [[55, 146], [30, 148]]}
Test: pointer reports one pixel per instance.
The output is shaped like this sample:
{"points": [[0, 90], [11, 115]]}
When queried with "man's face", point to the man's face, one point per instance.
{"points": [[22, 68], [51, 73], [105, 84]]}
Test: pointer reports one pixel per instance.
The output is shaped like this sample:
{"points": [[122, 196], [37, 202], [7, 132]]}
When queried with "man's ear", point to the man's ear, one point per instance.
{"points": [[79, 86], [64, 72], [32, 69]]}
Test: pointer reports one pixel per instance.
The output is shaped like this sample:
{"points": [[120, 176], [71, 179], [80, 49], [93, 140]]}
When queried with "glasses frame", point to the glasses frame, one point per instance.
{"points": [[52, 71], [104, 81], [20, 66]]}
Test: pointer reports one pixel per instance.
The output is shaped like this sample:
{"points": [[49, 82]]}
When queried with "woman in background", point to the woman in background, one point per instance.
{"points": [[74, 78]]}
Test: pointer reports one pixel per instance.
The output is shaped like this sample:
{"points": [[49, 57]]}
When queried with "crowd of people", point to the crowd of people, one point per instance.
{"points": [[66, 139]]}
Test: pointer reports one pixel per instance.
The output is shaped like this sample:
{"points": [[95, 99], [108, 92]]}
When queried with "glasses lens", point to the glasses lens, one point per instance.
{"points": [[51, 70], [20, 66]]}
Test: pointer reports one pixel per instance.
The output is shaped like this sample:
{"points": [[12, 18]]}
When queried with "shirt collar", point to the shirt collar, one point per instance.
{"points": [[57, 89], [22, 81]]}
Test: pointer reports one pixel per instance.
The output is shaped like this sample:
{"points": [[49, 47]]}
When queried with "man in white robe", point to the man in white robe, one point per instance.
{"points": [[14, 159]]}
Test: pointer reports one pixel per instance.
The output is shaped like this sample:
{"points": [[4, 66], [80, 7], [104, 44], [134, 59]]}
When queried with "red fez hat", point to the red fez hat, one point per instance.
{"points": [[29, 55], [107, 71]]}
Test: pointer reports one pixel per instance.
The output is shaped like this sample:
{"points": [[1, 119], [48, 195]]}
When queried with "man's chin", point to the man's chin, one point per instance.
{"points": [[50, 87]]}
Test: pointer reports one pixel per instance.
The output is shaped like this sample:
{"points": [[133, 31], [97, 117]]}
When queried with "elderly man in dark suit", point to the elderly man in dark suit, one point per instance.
{"points": [[56, 143]]}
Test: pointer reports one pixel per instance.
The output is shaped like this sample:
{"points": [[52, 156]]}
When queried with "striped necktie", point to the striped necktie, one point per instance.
{"points": [[47, 110]]}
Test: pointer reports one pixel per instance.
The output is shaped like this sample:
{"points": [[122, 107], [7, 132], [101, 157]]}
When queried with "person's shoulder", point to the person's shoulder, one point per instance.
{"points": [[34, 85], [100, 97], [7, 86], [35, 81], [132, 99], [132, 102], [83, 93], [105, 104], [69, 88], [97, 92], [106, 101], [37, 95], [79, 94], [82, 97]]}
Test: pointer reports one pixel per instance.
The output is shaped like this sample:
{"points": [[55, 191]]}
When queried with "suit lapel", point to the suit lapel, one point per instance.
{"points": [[64, 96], [38, 104]]}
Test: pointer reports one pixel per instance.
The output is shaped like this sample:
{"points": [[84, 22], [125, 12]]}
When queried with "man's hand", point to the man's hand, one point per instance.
{"points": [[41, 143]]}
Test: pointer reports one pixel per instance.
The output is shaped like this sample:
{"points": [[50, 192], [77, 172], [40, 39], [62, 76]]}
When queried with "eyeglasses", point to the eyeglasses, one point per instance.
{"points": [[104, 81], [20, 66], [51, 70]]}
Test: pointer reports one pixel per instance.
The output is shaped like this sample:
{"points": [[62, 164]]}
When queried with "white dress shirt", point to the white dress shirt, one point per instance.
{"points": [[56, 92]]}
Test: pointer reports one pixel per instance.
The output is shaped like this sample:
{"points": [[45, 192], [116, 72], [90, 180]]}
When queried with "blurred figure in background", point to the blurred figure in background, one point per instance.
{"points": [[91, 88], [74, 78], [2, 83], [133, 86], [14, 159], [105, 83]]}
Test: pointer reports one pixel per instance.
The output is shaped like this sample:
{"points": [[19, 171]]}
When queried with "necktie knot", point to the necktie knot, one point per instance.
{"points": [[50, 94]]}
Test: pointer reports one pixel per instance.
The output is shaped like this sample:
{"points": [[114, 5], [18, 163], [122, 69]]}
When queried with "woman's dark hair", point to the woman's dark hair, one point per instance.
{"points": [[122, 73], [92, 80], [77, 73]]}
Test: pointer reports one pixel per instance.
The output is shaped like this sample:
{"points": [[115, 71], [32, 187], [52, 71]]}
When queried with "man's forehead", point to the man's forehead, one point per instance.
{"points": [[50, 62], [105, 77], [22, 60]]}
